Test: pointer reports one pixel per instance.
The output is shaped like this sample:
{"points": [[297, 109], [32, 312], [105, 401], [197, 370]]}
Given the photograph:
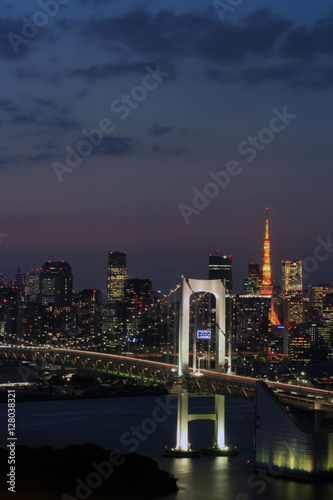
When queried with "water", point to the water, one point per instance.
{"points": [[109, 423]]}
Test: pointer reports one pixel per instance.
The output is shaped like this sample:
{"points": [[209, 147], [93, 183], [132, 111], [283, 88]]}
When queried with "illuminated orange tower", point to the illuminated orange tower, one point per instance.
{"points": [[266, 284]]}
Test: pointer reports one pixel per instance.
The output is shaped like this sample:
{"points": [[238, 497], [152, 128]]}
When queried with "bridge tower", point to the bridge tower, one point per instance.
{"points": [[215, 287], [190, 286]]}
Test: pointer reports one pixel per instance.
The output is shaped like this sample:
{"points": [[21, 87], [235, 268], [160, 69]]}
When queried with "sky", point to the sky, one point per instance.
{"points": [[165, 129]]}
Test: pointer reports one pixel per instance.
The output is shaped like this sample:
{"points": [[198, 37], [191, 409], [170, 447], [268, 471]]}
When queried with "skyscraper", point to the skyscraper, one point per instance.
{"points": [[56, 284], [253, 282], [292, 278], [32, 284], [117, 268], [220, 267]]}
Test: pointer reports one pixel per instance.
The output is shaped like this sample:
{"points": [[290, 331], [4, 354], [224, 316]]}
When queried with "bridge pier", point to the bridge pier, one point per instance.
{"points": [[183, 448], [182, 421]]}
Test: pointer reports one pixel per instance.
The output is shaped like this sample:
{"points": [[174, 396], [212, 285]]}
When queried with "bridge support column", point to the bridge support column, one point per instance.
{"points": [[219, 437], [182, 421], [183, 448]]}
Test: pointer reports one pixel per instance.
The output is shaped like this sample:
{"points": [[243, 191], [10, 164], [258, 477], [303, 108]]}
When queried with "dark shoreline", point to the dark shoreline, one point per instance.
{"points": [[89, 468], [23, 396]]}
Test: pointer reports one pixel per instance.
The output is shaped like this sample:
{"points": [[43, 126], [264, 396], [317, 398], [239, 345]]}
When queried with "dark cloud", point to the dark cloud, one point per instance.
{"points": [[171, 152], [8, 26], [38, 111], [297, 76], [9, 106], [115, 146], [101, 71], [303, 42], [41, 157], [189, 34], [157, 129], [34, 74], [18, 36], [257, 34], [94, 3]]}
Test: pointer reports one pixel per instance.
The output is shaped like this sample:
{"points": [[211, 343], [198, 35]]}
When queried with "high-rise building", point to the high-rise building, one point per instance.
{"points": [[292, 278], [117, 273], [19, 280], [139, 296], [317, 294], [328, 314], [252, 325], [299, 347], [56, 284], [89, 314], [293, 311], [10, 312], [253, 282], [139, 293], [32, 285], [220, 267]]}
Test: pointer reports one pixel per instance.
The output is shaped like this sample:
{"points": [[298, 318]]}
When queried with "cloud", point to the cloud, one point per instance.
{"points": [[297, 76], [157, 129], [7, 26], [115, 146], [258, 34], [34, 74], [9, 106], [41, 157], [102, 71], [303, 42], [38, 111], [171, 152], [189, 34]]}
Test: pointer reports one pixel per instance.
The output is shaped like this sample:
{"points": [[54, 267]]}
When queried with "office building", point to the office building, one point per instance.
{"points": [[56, 284], [117, 274], [220, 267], [253, 281], [292, 278]]}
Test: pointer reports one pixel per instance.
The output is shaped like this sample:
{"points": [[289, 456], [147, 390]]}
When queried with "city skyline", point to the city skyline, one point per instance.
{"points": [[213, 259], [173, 125]]}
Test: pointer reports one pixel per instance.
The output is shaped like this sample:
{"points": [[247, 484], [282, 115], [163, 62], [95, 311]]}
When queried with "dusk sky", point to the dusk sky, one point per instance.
{"points": [[180, 90]]}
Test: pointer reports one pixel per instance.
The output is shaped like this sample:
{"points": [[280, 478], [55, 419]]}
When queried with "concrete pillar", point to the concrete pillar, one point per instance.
{"points": [[182, 420], [219, 437]]}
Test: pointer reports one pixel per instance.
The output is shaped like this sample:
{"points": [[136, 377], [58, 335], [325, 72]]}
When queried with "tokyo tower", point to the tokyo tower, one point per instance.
{"points": [[266, 284]]}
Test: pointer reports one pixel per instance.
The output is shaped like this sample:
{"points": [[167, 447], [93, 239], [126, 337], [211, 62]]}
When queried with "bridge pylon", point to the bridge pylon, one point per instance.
{"points": [[215, 287]]}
